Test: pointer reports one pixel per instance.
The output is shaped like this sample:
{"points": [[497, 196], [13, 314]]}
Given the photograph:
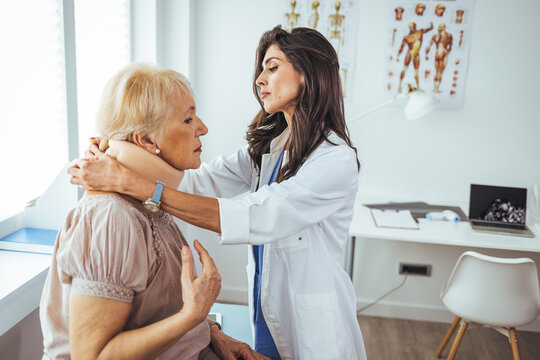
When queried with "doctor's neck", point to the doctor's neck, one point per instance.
{"points": [[288, 114]]}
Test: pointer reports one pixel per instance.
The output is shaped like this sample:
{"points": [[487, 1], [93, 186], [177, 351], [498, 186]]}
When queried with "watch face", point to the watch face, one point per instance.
{"points": [[151, 207]]}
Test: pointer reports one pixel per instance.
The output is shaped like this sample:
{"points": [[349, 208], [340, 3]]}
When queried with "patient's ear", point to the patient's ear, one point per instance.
{"points": [[144, 142]]}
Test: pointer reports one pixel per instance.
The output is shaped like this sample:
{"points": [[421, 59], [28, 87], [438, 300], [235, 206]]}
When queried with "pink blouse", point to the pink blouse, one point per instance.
{"points": [[110, 247]]}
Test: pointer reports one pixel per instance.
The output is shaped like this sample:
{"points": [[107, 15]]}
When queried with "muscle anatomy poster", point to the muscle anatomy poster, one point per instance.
{"points": [[428, 48]]}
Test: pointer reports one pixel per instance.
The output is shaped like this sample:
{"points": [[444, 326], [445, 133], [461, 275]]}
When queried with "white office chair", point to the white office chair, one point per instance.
{"points": [[500, 293]]}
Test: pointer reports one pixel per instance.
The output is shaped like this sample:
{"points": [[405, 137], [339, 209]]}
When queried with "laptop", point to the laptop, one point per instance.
{"points": [[499, 209]]}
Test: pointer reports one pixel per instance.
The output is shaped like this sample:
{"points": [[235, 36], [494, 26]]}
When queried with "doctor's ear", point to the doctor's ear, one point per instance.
{"points": [[144, 142]]}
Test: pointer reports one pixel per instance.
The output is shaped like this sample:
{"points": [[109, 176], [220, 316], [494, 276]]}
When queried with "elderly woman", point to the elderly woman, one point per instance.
{"points": [[121, 284]]}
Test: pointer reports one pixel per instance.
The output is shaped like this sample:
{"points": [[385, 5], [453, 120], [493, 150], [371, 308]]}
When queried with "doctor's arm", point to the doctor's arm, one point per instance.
{"points": [[321, 187], [136, 176], [222, 177], [227, 176], [107, 174]]}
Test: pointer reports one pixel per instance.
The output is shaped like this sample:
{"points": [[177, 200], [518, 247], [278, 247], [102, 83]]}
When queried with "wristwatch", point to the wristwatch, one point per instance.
{"points": [[213, 322], [152, 204]]}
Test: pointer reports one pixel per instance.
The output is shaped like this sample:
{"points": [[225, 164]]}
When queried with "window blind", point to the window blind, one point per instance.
{"points": [[33, 136]]}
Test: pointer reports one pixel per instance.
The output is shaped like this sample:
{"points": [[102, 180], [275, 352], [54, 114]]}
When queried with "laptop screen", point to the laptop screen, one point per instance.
{"points": [[498, 204]]}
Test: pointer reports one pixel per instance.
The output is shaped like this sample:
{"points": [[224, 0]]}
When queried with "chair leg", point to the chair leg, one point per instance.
{"points": [[514, 343], [448, 335], [457, 341]]}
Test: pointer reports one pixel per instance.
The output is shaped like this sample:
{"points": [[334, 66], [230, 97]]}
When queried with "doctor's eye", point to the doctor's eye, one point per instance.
{"points": [[188, 120]]}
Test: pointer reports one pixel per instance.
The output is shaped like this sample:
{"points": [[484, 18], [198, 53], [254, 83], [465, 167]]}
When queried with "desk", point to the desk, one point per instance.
{"points": [[433, 232], [441, 233]]}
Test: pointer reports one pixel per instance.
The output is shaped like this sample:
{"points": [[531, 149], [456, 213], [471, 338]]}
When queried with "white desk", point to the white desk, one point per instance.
{"points": [[440, 232], [433, 232]]}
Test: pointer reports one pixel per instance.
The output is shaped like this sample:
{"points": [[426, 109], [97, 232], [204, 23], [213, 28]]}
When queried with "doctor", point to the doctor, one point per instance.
{"points": [[301, 172]]}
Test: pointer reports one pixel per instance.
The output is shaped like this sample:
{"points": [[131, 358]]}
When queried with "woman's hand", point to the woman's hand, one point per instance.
{"points": [[228, 348], [198, 292]]}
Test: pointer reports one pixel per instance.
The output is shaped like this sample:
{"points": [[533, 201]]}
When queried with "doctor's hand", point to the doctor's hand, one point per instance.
{"points": [[97, 146], [198, 292], [228, 348], [100, 172]]}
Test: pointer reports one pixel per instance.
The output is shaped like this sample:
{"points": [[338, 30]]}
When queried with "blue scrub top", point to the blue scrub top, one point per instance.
{"points": [[264, 344]]}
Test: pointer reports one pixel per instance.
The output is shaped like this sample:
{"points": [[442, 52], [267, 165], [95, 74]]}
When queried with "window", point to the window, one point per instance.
{"points": [[102, 49], [33, 135], [33, 119]]}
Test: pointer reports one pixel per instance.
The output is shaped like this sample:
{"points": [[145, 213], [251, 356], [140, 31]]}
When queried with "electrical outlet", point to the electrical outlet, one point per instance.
{"points": [[415, 269]]}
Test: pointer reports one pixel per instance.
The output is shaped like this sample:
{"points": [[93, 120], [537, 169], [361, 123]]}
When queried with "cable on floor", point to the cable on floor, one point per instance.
{"points": [[383, 296]]}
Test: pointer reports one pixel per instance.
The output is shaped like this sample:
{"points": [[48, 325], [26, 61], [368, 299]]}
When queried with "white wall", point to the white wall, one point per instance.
{"points": [[493, 139]]}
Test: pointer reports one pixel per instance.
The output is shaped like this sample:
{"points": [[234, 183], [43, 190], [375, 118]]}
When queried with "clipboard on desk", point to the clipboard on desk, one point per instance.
{"points": [[418, 209], [397, 219]]}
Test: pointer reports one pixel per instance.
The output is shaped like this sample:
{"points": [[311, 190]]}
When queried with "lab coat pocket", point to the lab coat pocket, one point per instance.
{"points": [[293, 242], [320, 326]]}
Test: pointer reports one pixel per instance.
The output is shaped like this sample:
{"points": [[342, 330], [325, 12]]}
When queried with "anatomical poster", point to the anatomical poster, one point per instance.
{"points": [[428, 46]]}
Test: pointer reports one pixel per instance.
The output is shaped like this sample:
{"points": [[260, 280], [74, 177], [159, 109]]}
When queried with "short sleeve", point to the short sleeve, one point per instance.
{"points": [[103, 251]]}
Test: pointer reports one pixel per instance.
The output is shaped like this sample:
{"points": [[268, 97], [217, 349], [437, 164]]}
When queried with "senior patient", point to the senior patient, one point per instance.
{"points": [[121, 284]]}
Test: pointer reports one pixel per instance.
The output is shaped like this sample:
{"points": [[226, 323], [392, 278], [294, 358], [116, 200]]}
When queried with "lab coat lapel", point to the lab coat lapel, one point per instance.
{"points": [[269, 160], [267, 165]]}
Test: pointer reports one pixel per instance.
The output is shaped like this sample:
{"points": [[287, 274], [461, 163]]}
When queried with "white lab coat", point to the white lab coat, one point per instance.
{"points": [[307, 299]]}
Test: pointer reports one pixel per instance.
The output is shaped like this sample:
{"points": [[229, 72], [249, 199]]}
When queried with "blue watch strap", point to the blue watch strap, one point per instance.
{"points": [[156, 198]]}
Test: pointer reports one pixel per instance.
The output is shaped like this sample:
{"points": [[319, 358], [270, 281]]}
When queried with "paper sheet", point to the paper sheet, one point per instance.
{"points": [[402, 219]]}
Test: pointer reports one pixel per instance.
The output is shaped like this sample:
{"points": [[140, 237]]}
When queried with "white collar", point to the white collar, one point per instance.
{"points": [[278, 143]]}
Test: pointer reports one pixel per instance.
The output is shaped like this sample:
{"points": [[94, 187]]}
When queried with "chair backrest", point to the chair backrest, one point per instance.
{"points": [[493, 291]]}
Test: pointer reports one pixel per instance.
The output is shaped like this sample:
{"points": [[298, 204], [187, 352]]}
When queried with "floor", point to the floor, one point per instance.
{"points": [[387, 338]]}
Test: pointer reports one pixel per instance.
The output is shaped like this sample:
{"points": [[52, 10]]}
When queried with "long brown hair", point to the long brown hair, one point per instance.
{"points": [[319, 106]]}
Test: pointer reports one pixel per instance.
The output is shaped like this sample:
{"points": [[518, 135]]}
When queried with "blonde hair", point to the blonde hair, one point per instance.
{"points": [[138, 100]]}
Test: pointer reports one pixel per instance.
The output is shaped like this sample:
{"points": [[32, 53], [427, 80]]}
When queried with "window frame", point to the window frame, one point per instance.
{"points": [[17, 221]]}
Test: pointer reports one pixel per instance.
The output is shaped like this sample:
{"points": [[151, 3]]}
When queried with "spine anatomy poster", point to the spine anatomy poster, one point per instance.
{"points": [[334, 19], [428, 48]]}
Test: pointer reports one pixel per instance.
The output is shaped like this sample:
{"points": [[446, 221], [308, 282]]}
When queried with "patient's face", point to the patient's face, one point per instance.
{"points": [[180, 144]]}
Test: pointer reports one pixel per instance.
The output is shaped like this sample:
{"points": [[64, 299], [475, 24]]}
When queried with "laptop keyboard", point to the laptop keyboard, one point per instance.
{"points": [[501, 225]]}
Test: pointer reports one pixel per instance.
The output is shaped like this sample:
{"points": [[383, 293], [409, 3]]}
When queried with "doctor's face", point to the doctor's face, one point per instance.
{"points": [[279, 83], [180, 144]]}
